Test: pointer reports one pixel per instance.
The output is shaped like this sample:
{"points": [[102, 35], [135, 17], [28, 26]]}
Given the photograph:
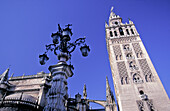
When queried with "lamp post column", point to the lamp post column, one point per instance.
{"points": [[57, 94]]}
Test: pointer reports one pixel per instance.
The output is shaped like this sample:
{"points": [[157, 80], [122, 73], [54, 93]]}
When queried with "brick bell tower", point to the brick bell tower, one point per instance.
{"points": [[137, 84]]}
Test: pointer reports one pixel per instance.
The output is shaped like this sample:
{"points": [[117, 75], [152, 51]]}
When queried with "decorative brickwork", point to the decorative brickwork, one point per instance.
{"points": [[124, 40], [150, 105], [123, 73], [117, 51], [146, 70], [140, 105], [137, 79], [138, 50]]}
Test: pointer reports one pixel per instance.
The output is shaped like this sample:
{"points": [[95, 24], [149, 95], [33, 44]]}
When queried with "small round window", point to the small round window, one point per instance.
{"points": [[116, 23]]}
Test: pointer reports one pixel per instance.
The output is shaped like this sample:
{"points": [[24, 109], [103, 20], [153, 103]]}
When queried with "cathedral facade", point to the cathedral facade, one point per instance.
{"points": [[136, 83]]}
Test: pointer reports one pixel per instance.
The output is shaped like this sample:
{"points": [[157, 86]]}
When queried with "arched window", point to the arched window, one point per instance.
{"points": [[137, 78], [146, 78], [120, 57], [141, 92], [126, 80], [132, 31], [140, 105], [115, 33], [132, 65], [111, 34], [122, 81], [137, 54], [121, 31], [116, 57], [149, 78], [127, 47], [141, 54], [129, 56], [150, 105], [127, 31]]}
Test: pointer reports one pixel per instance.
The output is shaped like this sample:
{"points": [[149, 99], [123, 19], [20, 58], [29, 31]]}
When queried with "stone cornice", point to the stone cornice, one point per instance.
{"points": [[122, 25], [28, 77]]}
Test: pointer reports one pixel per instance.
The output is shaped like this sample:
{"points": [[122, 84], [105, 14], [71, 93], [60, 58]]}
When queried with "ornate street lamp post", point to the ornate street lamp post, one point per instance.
{"points": [[62, 47]]}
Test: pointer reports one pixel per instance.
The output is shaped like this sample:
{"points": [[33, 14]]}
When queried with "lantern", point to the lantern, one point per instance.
{"points": [[67, 34], [43, 58], [85, 50], [55, 37]]}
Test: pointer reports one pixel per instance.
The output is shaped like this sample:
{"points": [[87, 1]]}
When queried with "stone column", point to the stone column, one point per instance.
{"points": [[57, 94]]}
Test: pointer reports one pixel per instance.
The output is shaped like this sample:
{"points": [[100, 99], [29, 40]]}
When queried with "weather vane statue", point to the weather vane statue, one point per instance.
{"points": [[62, 47], [112, 9]]}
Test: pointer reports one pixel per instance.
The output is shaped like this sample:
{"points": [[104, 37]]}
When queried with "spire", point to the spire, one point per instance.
{"points": [[12, 75], [84, 92], [112, 9], [130, 22], [109, 93], [4, 76], [107, 86], [112, 14], [106, 25]]}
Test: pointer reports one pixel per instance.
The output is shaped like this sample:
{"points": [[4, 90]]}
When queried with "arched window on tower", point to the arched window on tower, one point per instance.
{"points": [[137, 78], [149, 78], [143, 95], [129, 56], [124, 80], [141, 92], [120, 57], [146, 78], [141, 54], [132, 65], [150, 105], [121, 31], [126, 47], [127, 31], [111, 34], [141, 105], [132, 31], [116, 57], [115, 33]]}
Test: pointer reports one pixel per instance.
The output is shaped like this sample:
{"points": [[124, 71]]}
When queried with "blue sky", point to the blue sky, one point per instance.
{"points": [[26, 26]]}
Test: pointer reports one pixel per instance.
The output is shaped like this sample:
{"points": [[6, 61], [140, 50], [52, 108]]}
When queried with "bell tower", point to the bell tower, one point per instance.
{"points": [[137, 84]]}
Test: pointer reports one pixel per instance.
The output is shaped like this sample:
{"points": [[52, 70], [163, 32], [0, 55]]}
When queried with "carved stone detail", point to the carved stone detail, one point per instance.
{"points": [[132, 65], [124, 40], [138, 50], [150, 105], [123, 73], [140, 105], [57, 94], [118, 53], [136, 77], [146, 70]]}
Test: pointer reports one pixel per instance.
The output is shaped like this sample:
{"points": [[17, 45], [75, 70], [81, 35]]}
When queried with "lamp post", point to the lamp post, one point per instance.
{"points": [[62, 47]]}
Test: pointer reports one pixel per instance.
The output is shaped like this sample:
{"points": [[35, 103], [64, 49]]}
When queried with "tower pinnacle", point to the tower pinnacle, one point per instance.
{"points": [[4, 76], [112, 14], [106, 25], [84, 92], [112, 9], [109, 94]]}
